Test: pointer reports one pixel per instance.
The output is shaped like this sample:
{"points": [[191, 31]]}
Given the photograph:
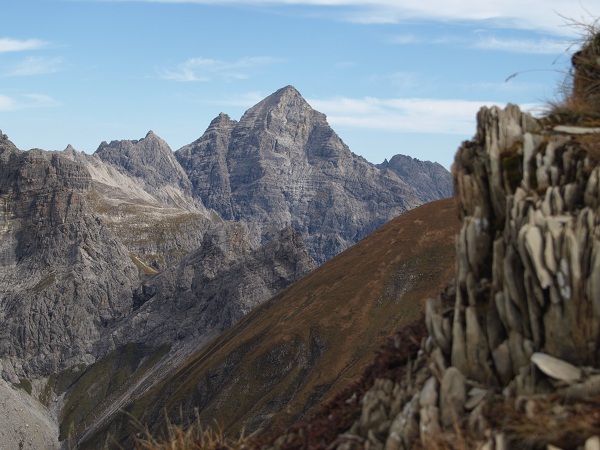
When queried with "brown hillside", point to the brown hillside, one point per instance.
{"points": [[311, 340]]}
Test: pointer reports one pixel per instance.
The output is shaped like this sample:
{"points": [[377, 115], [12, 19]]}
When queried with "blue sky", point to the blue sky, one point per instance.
{"points": [[392, 76]]}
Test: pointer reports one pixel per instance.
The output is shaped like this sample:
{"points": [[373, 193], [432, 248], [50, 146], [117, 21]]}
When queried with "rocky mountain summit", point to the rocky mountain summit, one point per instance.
{"points": [[151, 160], [282, 165], [428, 179]]}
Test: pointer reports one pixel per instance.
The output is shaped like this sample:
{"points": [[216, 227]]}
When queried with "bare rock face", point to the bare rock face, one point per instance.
{"points": [[282, 165], [205, 163], [430, 180], [213, 287], [150, 159], [149, 207], [64, 274]]}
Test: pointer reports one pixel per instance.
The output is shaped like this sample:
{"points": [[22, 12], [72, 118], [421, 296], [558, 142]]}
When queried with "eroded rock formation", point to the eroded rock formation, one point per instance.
{"points": [[522, 319], [282, 165]]}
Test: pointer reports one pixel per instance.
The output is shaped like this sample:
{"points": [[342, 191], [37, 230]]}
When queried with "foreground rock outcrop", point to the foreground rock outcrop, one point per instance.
{"points": [[510, 358]]}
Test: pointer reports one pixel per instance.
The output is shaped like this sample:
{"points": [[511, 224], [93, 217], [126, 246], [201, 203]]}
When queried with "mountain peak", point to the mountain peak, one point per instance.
{"points": [[286, 98], [285, 108], [288, 94], [220, 120], [289, 90], [70, 149]]}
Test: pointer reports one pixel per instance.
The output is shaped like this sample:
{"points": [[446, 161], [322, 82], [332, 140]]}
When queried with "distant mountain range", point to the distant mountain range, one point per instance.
{"points": [[140, 255]]}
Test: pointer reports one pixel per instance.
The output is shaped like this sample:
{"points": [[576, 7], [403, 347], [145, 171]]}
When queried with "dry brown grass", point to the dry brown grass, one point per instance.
{"points": [[591, 144], [195, 437], [579, 96], [535, 423]]}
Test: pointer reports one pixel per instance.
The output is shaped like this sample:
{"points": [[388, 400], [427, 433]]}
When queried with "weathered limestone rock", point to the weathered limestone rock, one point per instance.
{"points": [[64, 276], [526, 316], [282, 165], [556, 368], [453, 397]]}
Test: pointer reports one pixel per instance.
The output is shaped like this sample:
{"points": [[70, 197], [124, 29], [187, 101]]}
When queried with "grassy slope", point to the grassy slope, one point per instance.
{"points": [[311, 340]]}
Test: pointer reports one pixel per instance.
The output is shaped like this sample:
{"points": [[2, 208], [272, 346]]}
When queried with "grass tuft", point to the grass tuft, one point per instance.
{"points": [[579, 96], [195, 437]]}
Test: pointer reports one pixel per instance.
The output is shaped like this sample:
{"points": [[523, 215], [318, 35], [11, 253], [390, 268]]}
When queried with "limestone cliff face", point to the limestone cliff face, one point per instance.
{"points": [[79, 236], [150, 159], [430, 180], [282, 165], [213, 287], [141, 194], [205, 163], [523, 317], [64, 274]]}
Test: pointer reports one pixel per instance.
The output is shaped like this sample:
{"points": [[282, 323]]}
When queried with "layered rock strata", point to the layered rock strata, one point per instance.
{"points": [[522, 319], [64, 275], [282, 165]]}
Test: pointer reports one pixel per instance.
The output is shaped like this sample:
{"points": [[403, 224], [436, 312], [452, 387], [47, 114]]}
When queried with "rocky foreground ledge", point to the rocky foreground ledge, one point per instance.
{"points": [[513, 362]]}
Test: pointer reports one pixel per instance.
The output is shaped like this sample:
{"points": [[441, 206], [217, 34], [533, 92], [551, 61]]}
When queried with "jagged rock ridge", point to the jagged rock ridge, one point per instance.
{"points": [[151, 160], [430, 180], [282, 165]]}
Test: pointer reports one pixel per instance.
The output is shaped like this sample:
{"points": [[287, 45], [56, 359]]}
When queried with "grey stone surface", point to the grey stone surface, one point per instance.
{"points": [[282, 165], [526, 312], [24, 423], [64, 276]]}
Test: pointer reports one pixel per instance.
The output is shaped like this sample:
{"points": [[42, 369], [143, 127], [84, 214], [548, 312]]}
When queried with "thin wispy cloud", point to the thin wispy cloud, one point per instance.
{"points": [[35, 65], [7, 103], [412, 115], [17, 45], [546, 15], [26, 101], [206, 69], [492, 43], [403, 39], [542, 46]]}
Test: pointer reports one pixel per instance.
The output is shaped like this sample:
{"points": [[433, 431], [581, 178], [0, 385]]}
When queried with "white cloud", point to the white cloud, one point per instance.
{"points": [[36, 65], [246, 100], [205, 69], [26, 101], [406, 115], [403, 39], [7, 103], [16, 45], [543, 46], [512, 45], [546, 15]]}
